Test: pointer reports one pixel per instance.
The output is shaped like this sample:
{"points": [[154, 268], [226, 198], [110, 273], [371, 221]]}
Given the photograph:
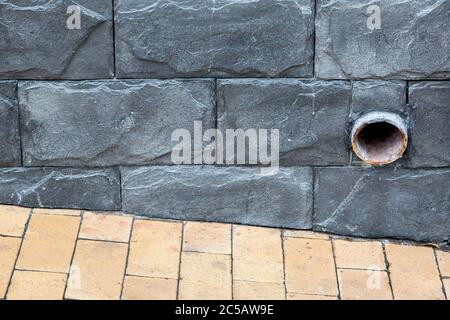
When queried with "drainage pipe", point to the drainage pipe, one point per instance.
{"points": [[379, 138]]}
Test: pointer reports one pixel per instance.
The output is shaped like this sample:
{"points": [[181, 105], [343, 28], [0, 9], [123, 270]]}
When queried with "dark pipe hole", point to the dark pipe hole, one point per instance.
{"points": [[377, 133], [380, 142]]}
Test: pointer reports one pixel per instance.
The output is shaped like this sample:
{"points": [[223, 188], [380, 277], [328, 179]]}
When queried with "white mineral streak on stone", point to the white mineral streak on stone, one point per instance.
{"points": [[62, 188], [357, 187]]}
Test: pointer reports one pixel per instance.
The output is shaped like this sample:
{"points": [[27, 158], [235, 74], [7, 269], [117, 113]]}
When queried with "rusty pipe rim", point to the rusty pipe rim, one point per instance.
{"points": [[379, 138]]}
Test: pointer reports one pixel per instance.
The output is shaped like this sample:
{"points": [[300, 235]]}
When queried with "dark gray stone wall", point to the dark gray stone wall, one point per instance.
{"points": [[86, 115], [377, 95], [192, 38], [106, 123], [35, 42], [430, 124], [61, 188], [227, 194], [412, 42], [9, 125], [312, 116], [405, 204]]}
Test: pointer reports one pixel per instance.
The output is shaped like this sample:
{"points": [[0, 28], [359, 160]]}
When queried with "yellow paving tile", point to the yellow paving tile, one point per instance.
{"points": [[247, 290], [207, 237], [359, 254], [205, 276], [414, 273], [49, 243], [155, 249], [140, 288], [106, 227], [13, 220], [299, 296], [447, 287], [257, 254], [97, 270], [305, 234], [31, 285], [61, 212], [364, 285], [444, 262], [310, 267], [9, 248]]}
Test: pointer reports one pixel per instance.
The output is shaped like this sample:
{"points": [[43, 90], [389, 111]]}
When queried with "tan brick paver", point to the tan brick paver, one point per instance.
{"points": [[299, 296], [414, 273], [97, 270], [13, 220], [155, 249], [305, 234], [359, 254], [33, 285], [310, 266], [205, 276], [444, 262], [61, 212], [9, 248], [447, 287], [141, 288], [207, 237], [247, 290], [364, 285], [113, 256], [98, 226], [257, 254], [49, 243]]}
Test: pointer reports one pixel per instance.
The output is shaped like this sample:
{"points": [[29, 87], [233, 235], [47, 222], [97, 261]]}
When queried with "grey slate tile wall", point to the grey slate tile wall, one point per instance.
{"points": [[10, 154], [405, 204], [86, 116], [107, 123], [378, 95], [227, 194], [312, 116], [61, 188], [412, 42], [430, 124], [35, 42], [209, 38]]}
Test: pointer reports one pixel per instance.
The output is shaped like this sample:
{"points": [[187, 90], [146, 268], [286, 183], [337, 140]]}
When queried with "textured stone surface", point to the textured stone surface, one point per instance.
{"points": [[103, 123], [227, 194], [189, 38], [9, 125], [312, 116], [377, 95], [65, 188], [413, 40], [35, 42], [408, 204], [430, 128]]}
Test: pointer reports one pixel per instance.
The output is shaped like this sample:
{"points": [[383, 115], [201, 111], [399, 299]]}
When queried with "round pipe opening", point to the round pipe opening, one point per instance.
{"points": [[379, 138]]}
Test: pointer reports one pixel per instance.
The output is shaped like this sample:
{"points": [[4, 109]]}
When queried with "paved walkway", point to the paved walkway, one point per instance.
{"points": [[56, 254]]}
